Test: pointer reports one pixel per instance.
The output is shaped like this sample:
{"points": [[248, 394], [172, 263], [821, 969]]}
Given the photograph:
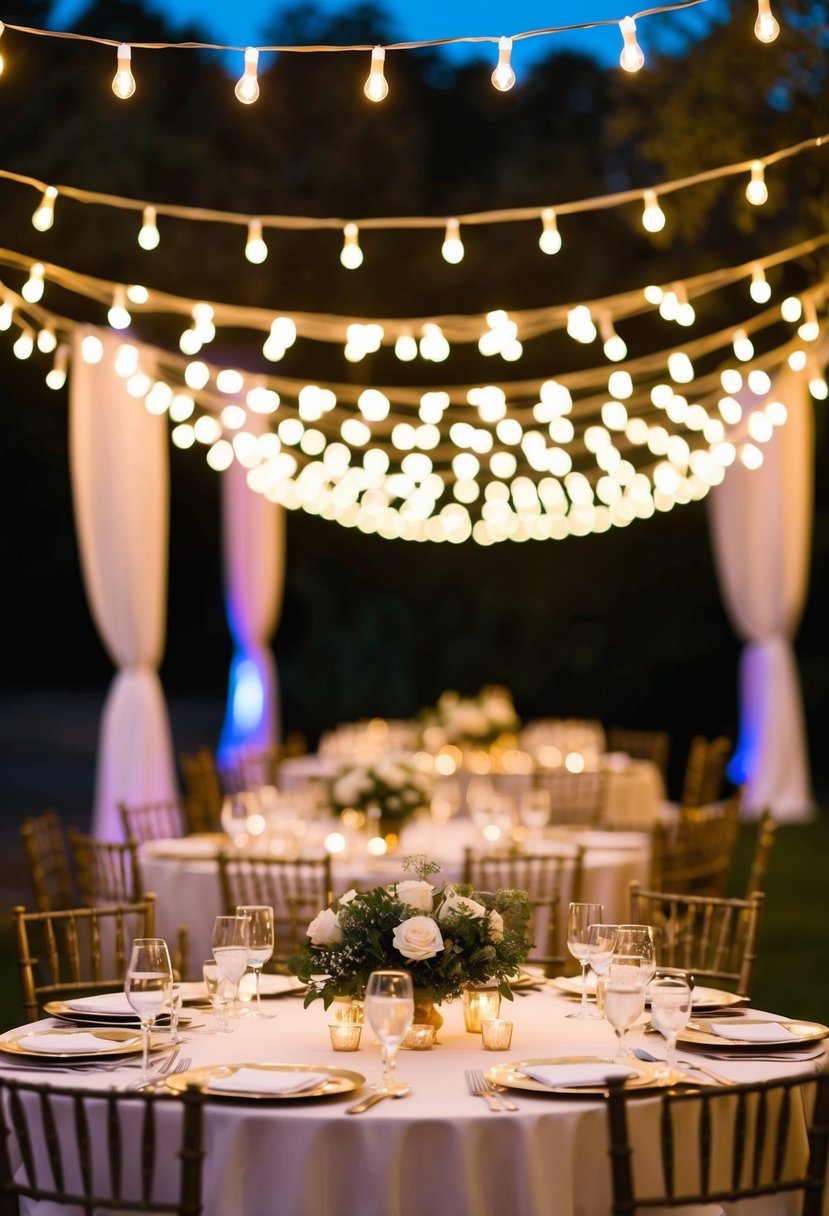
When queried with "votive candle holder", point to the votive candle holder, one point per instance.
{"points": [[419, 1037], [496, 1034], [479, 1003], [345, 1036]]}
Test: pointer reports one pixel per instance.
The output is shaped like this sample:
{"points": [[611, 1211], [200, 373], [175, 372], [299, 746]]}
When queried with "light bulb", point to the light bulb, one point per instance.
{"points": [[653, 217], [92, 349], [743, 346], [44, 216], [56, 377], [809, 330], [2, 28], [376, 87], [118, 315], [247, 86], [351, 255], [766, 27], [148, 236], [25, 344], [255, 249], [550, 239], [32, 289], [756, 190], [452, 248], [615, 348], [631, 58], [6, 315], [760, 289], [503, 77], [46, 340], [406, 347], [123, 82]]}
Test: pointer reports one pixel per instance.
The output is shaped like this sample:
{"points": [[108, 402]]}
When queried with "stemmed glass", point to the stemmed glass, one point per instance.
{"points": [[624, 996], [214, 984], [638, 940], [670, 1010], [601, 943], [230, 949], [579, 920], [147, 984], [260, 945], [389, 1009], [534, 809]]}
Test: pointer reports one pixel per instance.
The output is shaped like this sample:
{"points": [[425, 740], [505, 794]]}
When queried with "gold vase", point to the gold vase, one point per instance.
{"points": [[426, 1012], [389, 829]]}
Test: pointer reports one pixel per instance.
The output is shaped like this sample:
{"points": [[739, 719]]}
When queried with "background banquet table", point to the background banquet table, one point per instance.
{"points": [[439, 1151], [184, 874]]}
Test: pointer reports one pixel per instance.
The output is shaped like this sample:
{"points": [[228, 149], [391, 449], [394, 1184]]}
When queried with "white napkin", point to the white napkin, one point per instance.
{"points": [[753, 1032], [574, 1075], [263, 1081], [104, 1002], [84, 1043]]}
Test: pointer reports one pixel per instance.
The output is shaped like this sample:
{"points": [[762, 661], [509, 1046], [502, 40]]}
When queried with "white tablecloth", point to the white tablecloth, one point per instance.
{"points": [[439, 1152]]}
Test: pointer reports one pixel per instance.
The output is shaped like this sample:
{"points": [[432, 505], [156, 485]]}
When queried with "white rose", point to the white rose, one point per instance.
{"points": [[461, 903], [349, 895], [418, 894], [347, 789], [496, 926], [418, 938], [324, 929]]}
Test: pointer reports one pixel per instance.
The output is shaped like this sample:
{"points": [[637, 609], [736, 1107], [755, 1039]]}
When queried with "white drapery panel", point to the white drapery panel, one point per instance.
{"points": [[761, 527], [253, 546], [120, 489]]}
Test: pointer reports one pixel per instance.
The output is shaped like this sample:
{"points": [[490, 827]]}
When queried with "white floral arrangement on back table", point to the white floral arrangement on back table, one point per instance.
{"points": [[395, 786], [475, 721]]}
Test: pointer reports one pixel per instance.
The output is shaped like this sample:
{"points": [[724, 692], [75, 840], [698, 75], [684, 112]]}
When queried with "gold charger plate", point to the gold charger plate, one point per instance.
{"points": [[115, 1041], [801, 1033], [510, 1075], [701, 998], [340, 1081], [62, 1010]]}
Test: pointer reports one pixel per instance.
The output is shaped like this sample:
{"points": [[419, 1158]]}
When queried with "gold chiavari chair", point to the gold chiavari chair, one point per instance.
{"points": [[574, 797], [704, 770], [551, 879], [703, 1149], [296, 890], [70, 952], [653, 745], [163, 820], [764, 844], [107, 871], [203, 789], [712, 938], [45, 846], [694, 853], [251, 770], [96, 1150]]}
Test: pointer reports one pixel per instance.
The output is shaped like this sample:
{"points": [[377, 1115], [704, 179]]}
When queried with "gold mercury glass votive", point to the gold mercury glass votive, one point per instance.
{"points": [[346, 1009], [345, 1036], [496, 1034], [479, 1003], [419, 1037]]}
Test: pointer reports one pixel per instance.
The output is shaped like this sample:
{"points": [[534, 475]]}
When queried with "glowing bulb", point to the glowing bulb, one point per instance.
{"points": [[766, 28], [653, 217], [807, 332], [56, 376], [756, 190], [791, 309], [405, 347], [6, 315], [376, 87], [118, 315], [550, 239], [615, 348], [123, 82], [92, 349], [351, 255], [44, 216], [760, 289], [247, 86], [255, 249], [631, 58], [148, 236], [503, 77], [743, 346], [46, 340], [25, 344], [32, 289], [452, 248], [2, 27], [680, 368]]}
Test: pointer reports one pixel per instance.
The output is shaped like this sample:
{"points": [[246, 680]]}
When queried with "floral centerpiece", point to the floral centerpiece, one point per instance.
{"points": [[448, 939], [393, 787], [470, 721]]}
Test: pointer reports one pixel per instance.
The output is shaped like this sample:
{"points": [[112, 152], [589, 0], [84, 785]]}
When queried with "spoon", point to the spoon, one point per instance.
{"points": [[641, 1054], [400, 1091]]}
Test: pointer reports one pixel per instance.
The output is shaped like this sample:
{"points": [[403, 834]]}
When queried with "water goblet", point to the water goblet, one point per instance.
{"points": [[601, 944], [638, 939], [230, 949], [260, 945], [215, 986], [147, 985], [670, 997], [389, 1010], [624, 996], [579, 919], [534, 809]]}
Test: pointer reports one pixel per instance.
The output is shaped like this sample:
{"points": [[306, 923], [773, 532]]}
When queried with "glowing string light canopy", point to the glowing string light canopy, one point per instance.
{"points": [[376, 87], [123, 82], [503, 77], [632, 57], [247, 86]]}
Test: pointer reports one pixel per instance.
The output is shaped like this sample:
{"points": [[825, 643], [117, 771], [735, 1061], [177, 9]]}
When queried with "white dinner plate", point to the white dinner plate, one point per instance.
{"points": [[510, 1075], [338, 1081], [701, 998]]}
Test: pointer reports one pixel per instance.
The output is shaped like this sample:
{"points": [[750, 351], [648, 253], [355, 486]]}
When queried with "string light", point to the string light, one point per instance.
{"points": [[123, 82], [760, 288], [56, 376], [46, 340], [756, 190], [44, 216], [766, 27], [148, 236], [2, 64], [743, 346], [255, 248], [631, 58], [32, 289], [504, 77], [376, 87], [810, 328], [550, 240], [24, 344], [351, 254], [452, 248], [615, 348], [653, 217], [118, 315], [247, 86], [405, 347]]}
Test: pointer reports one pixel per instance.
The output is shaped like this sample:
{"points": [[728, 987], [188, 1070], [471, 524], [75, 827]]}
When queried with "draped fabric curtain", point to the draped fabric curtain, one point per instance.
{"points": [[761, 524], [120, 489], [253, 545]]}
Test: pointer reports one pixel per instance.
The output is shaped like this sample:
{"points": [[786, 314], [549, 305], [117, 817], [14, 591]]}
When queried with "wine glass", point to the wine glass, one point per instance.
{"points": [[579, 919], [147, 984], [670, 1010], [638, 939], [215, 985], [601, 943], [389, 1009], [534, 809], [230, 949], [624, 996], [260, 944]]}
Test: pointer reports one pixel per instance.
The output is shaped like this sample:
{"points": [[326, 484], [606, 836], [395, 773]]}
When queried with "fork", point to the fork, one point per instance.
{"points": [[169, 1065], [477, 1086]]}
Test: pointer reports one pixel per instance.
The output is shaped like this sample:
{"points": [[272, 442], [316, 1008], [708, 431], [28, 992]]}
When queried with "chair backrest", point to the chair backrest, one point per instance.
{"points": [[694, 853], [766, 829], [574, 797], [704, 770], [716, 1146], [165, 820], [97, 1151], [710, 937], [73, 951], [44, 843], [653, 745], [252, 769], [551, 880], [204, 791], [296, 890], [107, 872]]}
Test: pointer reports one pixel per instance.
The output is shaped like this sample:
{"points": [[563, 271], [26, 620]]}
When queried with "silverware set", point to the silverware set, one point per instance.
{"points": [[168, 1067], [493, 1095]]}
